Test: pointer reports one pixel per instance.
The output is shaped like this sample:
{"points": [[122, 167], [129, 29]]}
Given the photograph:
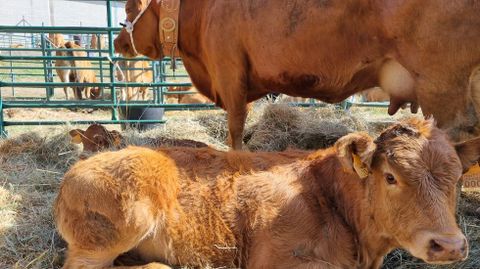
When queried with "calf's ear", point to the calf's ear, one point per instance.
{"points": [[116, 138], [77, 135], [468, 152], [355, 151]]}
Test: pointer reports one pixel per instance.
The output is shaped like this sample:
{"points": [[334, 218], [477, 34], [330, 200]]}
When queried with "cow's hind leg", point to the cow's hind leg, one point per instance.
{"points": [[64, 75], [81, 259], [78, 259], [67, 95], [153, 265], [144, 91]]}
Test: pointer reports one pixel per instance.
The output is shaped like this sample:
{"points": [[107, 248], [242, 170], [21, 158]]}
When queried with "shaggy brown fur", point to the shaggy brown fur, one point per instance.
{"points": [[324, 209], [324, 49], [82, 75]]}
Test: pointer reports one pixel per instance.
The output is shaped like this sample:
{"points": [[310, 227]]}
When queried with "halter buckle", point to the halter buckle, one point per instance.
{"points": [[128, 26]]}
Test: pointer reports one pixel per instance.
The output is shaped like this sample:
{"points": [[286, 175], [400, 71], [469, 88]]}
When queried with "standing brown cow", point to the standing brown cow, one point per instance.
{"points": [[81, 72], [62, 67], [97, 43], [136, 72], [343, 207], [238, 51], [189, 98]]}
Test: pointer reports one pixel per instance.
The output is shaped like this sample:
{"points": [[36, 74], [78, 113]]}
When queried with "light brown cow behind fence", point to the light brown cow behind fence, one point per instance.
{"points": [[97, 43], [343, 207], [188, 98], [62, 67], [136, 72], [82, 72]]}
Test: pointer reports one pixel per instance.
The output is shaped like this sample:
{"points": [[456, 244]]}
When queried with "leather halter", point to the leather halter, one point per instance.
{"points": [[167, 27]]}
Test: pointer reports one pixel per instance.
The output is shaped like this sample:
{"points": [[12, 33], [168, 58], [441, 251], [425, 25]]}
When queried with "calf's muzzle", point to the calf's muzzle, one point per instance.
{"points": [[447, 249]]}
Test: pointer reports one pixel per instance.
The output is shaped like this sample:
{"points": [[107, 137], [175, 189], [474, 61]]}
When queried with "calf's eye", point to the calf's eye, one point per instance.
{"points": [[390, 179]]}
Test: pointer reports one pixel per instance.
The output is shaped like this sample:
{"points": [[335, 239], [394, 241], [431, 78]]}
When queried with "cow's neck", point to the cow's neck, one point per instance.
{"points": [[349, 197], [192, 14]]}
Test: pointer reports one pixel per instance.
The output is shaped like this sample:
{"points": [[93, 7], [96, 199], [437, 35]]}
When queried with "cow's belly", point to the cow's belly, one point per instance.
{"points": [[315, 58], [313, 71], [326, 85]]}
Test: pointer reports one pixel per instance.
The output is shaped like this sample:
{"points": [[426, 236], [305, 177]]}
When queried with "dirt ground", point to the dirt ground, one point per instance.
{"points": [[34, 159]]}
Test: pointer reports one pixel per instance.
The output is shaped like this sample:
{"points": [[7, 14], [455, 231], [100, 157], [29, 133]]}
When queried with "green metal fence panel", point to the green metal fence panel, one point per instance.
{"points": [[29, 64]]}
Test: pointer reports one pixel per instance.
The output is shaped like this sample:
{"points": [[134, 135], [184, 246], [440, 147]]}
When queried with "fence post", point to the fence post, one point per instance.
{"points": [[49, 90], [100, 62], [3, 132], [156, 88], [111, 54], [162, 79], [12, 75], [49, 71]]}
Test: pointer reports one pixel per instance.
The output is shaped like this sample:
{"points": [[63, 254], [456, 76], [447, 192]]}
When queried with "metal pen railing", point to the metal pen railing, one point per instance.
{"points": [[31, 66]]}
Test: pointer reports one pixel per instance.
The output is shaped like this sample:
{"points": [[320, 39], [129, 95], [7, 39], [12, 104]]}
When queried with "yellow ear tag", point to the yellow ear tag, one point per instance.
{"points": [[475, 169], [359, 167], [77, 139]]}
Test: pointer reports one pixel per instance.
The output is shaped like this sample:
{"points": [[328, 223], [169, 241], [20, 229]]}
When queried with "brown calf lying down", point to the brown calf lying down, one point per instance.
{"points": [[97, 138], [343, 207]]}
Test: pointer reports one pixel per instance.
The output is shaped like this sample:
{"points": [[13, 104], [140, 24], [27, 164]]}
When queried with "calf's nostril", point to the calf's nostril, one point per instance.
{"points": [[464, 248], [435, 247]]}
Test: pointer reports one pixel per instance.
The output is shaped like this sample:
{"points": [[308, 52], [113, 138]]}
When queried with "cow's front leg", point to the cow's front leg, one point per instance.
{"points": [[67, 95], [237, 115], [88, 93]]}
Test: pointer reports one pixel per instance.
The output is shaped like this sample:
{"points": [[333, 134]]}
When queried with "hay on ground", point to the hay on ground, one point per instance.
{"points": [[282, 126], [32, 166]]}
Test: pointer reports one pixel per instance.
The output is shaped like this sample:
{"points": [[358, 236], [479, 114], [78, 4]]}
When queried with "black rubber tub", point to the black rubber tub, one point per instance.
{"points": [[141, 113]]}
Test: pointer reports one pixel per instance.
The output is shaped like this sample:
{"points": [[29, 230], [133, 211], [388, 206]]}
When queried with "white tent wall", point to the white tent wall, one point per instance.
{"points": [[59, 12]]}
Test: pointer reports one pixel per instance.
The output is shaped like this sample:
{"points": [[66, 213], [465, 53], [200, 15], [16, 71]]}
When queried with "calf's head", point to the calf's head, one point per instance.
{"points": [[95, 93], [411, 173], [96, 138], [144, 32]]}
